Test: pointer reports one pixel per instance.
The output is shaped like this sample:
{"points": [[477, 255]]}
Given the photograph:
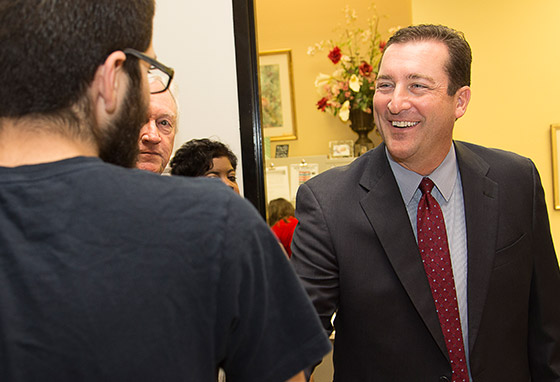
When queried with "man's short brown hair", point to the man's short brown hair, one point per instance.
{"points": [[460, 56]]}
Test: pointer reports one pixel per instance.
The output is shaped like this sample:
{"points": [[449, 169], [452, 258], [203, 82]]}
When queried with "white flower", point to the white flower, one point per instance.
{"points": [[355, 83], [322, 80], [344, 112], [337, 74], [318, 47]]}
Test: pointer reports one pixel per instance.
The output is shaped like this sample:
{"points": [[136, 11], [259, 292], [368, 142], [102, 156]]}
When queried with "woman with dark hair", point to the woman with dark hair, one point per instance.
{"points": [[282, 221], [205, 157]]}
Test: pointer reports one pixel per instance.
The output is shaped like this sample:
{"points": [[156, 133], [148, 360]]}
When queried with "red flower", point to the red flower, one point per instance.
{"points": [[365, 69], [322, 104], [382, 45], [335, 55]]}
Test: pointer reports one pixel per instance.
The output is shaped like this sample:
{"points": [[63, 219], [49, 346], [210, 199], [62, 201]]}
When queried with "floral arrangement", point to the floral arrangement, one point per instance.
{"points": [[356, 57]]}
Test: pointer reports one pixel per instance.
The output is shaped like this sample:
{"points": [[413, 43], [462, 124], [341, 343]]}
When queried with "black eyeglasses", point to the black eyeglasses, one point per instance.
{"points": [[159, 75]]}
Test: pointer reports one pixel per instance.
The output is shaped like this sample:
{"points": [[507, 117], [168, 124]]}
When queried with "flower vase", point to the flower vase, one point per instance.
{"points": [[361, 123]]}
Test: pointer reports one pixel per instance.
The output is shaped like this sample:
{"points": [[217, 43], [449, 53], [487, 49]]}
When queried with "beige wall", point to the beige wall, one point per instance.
{"points": [[298, 24], [201, 65], [515, 78]]}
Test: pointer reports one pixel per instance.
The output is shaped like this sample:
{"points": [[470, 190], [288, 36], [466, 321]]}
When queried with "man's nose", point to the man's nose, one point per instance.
{"points": [[399, 100], [150, 133]]}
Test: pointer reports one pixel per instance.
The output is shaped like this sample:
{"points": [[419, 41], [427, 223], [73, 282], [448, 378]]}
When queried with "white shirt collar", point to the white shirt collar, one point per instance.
{"points": [[444, 176]]}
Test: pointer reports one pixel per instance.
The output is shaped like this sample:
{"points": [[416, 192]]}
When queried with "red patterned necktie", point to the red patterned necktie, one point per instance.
{"points": [[432, 243]]}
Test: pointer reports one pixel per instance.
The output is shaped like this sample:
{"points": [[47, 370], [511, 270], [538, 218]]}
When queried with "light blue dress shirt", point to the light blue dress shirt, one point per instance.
{"points": [[448, 192]]}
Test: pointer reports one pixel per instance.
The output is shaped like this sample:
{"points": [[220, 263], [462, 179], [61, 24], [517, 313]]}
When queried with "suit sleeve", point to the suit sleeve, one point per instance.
{"points": [[313, 255], [544, 318]]}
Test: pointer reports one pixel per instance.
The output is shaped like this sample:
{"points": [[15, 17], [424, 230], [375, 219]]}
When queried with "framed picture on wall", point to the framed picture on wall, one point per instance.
{"points": [[555, 130], [282, 151], [277, 95], [341, 149]]}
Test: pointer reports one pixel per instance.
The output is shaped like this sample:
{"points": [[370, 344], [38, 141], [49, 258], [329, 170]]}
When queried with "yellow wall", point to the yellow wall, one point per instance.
{"points": [[298, 24], [515, 77]]}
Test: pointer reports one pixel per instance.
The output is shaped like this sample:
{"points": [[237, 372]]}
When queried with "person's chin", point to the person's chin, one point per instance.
{"points": [[149, 166]]}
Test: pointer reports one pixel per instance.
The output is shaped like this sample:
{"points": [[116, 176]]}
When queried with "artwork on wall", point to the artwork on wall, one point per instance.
{"points": [[555, 130], [277, 98], [341, 149], [282, 151]]}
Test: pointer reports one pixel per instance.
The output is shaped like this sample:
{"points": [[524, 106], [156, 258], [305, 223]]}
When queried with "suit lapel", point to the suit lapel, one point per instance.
{"points": [[387, 214], [481, 214]]}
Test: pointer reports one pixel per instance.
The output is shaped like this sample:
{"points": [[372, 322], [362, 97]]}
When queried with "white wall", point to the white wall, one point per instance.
{"points": [[196, 39]]}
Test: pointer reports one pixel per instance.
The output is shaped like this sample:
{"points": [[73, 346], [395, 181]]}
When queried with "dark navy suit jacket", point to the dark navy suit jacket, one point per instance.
{"points": [[355, 251]]}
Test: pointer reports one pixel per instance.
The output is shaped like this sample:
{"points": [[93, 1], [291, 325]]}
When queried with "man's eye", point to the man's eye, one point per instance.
{"points": [[165, 126], [382, 85], [421, 87], [232, 178]]}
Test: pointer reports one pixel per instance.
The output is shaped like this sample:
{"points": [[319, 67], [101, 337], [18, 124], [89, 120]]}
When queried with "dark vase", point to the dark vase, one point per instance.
{"points": [[362, 123]]}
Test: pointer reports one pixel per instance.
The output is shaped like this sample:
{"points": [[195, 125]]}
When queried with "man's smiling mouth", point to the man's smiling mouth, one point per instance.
{"points": [[403, 124]]}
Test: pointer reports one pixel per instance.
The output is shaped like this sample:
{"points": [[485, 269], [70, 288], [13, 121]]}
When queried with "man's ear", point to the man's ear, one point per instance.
{"points": [[108, 82], [463, 96]]}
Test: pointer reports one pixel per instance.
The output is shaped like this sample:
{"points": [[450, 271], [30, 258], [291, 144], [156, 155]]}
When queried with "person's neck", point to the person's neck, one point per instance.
{"points": [[423, 165], [33, 142]]}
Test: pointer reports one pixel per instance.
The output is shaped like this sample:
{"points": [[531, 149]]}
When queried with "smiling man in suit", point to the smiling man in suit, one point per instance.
{"points": [[479, 305]]}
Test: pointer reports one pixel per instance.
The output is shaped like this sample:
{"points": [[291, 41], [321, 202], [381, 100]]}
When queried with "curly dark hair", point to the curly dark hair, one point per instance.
{"points": [[50, 50], [194, 158]]}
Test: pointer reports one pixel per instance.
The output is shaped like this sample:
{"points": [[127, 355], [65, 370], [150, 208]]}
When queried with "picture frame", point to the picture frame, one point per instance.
{"points": [[282, 151], [277, 95], [341, 149], [555, 135]]}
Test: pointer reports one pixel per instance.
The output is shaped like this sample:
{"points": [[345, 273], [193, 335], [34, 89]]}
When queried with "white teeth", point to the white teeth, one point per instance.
{"points": [[403, 124]]}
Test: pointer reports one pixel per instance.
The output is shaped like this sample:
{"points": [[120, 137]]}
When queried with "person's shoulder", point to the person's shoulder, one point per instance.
{"points": [[175, 195], [351, 172], [284, 223], [490, 152], [502, 166], [173, 186], [494, 157]]}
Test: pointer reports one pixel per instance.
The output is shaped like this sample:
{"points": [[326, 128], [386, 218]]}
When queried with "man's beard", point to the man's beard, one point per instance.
{"points": [[118, 140]]}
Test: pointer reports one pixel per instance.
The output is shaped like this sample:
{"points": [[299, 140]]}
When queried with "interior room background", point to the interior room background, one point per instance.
{"points": [[515, 78]]}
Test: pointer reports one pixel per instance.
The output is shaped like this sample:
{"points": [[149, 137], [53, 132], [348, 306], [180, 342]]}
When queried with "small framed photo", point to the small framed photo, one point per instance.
{"points": [[341, 149], [282, 151]]}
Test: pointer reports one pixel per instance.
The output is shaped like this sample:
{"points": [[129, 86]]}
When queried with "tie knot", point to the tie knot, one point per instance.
{"points": [[426, 185]]}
